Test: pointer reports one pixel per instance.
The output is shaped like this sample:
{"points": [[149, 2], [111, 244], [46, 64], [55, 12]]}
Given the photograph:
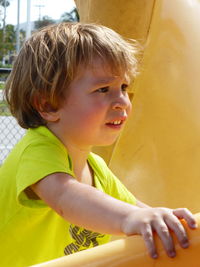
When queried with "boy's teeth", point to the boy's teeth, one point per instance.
{"points": [[116, 122]]}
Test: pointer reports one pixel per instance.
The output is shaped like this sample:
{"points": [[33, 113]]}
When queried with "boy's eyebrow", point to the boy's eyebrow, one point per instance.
{"points": [[103, 80]]}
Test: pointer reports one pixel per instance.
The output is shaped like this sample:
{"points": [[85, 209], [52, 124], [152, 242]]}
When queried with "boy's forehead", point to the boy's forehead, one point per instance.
{"points": [[108, 77], [103, 79], [101, 74]]}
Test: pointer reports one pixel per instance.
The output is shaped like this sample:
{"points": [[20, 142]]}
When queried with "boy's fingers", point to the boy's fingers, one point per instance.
{"points": [[166, 238], [175, 225], [149, 240], [187, 216]]}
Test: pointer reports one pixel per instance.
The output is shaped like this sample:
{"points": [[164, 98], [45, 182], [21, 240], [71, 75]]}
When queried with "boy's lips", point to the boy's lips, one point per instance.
{"points": [[116, 122]]}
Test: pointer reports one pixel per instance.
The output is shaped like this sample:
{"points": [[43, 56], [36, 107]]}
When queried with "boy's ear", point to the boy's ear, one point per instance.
{"points": [[45, 109]]}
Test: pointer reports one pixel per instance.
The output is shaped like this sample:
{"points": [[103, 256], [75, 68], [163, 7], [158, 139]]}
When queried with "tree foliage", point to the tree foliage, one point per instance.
{"points": [[7, 47], [5, 3], [45, 21], [8, 32], [67, 16], [70, 16]]}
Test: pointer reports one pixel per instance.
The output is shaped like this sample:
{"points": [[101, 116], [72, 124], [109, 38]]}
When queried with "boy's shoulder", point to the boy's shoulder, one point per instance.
{"points": [[101, 168], [37, 144], [108, 180], [40, 136], [97, 162], [41, 132], [97, 158]]}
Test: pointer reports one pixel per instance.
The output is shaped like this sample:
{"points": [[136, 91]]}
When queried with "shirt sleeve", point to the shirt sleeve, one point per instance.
{"points": [[37, 161], [111, 184], [118, 190]]}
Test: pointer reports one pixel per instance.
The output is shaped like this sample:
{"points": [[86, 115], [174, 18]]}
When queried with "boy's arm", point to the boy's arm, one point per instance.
{"points": [[141, 204], [90, 208], [82, 204]]}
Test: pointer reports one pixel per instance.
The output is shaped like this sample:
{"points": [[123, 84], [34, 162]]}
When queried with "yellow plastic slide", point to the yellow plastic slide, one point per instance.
{"points": [[158, 153]]}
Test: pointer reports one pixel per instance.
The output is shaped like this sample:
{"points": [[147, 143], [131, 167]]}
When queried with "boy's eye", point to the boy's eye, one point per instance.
{"points": [[124, 87], [106, 89], [103, 89]]}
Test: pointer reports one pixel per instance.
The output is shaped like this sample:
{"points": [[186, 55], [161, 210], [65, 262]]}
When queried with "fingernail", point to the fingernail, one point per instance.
{"points": [[194, 225], [185, 245], [172, 254], [155, 256]]}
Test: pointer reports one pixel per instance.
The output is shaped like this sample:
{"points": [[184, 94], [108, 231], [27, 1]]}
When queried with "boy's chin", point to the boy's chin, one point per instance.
{"points": [[106, 143]]}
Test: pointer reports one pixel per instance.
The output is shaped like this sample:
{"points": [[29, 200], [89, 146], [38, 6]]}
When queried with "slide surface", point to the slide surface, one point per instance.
{"points": [[158, 154]]}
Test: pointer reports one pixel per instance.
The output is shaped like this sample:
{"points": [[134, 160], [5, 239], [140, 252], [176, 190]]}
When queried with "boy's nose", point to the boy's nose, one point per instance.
{"points": [[122, 102]]}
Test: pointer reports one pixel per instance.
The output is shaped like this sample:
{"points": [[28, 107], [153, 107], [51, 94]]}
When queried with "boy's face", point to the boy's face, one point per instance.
{"points": [[95, 108]]}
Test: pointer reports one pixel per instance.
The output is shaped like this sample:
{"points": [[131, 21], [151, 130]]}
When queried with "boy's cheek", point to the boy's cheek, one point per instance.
{"points": [[129, 109]]}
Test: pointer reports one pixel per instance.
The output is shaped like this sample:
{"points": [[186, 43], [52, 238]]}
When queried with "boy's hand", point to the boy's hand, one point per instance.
{"points": [[161, 220]]}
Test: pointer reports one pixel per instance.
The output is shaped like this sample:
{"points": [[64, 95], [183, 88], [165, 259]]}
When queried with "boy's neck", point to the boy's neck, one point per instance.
{"points": [[81, 168], [79, 158]]}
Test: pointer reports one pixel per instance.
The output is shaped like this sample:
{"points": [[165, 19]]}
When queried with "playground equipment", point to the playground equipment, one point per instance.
{"points": [[158, 154]]}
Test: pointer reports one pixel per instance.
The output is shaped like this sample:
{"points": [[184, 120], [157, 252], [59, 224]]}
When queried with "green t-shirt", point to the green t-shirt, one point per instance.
{"points": [[30, 231]]}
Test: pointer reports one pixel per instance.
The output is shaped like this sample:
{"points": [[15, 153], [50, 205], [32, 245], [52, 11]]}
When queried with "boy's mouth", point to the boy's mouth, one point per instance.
{"points": [[117, 122]]}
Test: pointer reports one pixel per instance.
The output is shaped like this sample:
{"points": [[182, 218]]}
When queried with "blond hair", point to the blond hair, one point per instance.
{"points": [[49, 60]]}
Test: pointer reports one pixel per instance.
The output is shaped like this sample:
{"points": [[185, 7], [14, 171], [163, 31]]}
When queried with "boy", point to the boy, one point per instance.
{"points": [[68, 87]]}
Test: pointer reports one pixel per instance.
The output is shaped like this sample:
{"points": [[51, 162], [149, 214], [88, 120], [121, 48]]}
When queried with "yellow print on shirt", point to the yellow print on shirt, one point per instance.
{"points": [[83, 239]]}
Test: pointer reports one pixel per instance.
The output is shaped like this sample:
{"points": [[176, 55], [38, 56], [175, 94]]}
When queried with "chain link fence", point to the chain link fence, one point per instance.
{"points": [[10, 134], [10, 131]]}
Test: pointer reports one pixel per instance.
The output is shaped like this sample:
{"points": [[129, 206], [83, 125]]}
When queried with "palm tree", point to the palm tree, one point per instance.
{"points": [[70, 16]]}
